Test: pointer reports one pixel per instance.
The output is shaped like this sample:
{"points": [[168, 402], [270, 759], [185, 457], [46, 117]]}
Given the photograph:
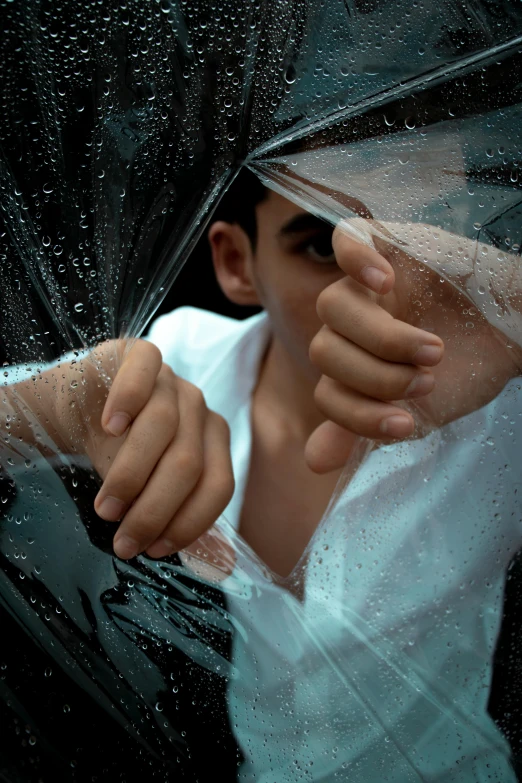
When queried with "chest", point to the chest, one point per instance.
{"points": [[283, 503]]}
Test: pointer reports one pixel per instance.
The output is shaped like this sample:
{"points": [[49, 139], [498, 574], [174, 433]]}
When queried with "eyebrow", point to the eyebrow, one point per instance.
{"points": [[303, 223]]}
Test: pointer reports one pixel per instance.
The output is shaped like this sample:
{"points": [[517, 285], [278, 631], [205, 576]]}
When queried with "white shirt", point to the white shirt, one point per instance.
{"points": [[383, 673]]}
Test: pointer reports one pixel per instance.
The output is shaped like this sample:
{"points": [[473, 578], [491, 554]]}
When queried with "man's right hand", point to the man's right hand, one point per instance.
{"points": [[164, 457]]}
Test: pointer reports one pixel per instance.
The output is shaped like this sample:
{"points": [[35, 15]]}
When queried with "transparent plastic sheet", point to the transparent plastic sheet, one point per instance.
{"points": [[123, 125]]}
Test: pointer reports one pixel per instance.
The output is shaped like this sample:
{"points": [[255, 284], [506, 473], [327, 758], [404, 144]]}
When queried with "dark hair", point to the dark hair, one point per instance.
{"points": [[238, 205]]}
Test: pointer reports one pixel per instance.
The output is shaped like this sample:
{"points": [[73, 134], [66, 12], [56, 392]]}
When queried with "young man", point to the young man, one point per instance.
{"points": [[284, 396]]}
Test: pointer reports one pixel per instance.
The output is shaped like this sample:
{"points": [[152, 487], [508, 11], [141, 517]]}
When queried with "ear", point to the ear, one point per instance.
{"points": [[233, 257]]}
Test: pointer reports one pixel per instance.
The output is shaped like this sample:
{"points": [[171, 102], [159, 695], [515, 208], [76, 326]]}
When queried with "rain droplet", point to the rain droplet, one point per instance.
{"points": [[48, 672], [79, 307], [290, 75], [159, 706], [47, 188]]}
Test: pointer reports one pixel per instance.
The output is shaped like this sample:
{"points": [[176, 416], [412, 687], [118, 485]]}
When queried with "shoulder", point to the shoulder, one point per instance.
{"points": [[193, 340]]}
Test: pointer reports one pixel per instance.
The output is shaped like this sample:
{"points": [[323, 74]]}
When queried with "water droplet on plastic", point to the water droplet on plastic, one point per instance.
{"points": [[290, 75]]}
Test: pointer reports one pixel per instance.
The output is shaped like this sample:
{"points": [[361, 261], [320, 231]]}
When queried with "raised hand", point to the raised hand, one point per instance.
{"points": [[396, 330], [163, 456]]}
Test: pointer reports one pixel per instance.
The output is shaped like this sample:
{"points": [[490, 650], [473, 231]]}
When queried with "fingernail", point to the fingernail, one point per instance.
{"points": [[422, 384], [125, 547], [111, 509], [118, 423], [161, 548], [397, 426], [428, 354], [374, 278]]}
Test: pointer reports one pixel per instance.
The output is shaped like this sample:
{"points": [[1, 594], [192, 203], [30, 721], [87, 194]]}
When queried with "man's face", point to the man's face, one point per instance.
{"points": [[293, 263]]}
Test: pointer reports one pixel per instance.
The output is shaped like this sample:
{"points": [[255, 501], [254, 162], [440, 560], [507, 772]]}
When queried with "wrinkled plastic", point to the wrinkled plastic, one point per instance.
{"points": [[122, 126]]}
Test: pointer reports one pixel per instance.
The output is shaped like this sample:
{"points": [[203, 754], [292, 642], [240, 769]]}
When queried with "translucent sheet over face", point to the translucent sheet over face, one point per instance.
{"points": [[392, 651]]}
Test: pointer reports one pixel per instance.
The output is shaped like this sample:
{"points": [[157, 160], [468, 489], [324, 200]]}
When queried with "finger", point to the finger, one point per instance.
{"points": [[171, 482], [355, 368], [151, 432], [329, 447], [132, 387], [356, 413], [362, 321], [210, 498], [361, 262]]}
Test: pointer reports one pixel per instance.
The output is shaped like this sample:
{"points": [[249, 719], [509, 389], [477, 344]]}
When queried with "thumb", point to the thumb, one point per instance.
{"points": [[329, 447]]}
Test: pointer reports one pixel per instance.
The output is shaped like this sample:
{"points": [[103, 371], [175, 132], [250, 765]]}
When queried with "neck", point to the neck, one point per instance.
{"points": [[285, 391]]}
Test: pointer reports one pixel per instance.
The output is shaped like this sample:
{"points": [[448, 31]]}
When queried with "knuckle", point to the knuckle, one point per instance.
{"points": [[321, 395], [318, 347], [194, 394], [152, 351], [222, 488], [222, 425], [167, 373], [325, 301], [189, 465], [167, 413]]}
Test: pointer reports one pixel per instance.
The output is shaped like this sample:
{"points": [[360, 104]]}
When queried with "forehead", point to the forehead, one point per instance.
{"points": [[275, 211]]}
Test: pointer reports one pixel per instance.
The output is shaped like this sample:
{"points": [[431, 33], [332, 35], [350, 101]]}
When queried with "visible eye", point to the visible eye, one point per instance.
{"points": [[319, 248]]}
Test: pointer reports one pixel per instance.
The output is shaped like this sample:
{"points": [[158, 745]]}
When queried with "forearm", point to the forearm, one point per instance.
{"points": [[43, 409]]}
